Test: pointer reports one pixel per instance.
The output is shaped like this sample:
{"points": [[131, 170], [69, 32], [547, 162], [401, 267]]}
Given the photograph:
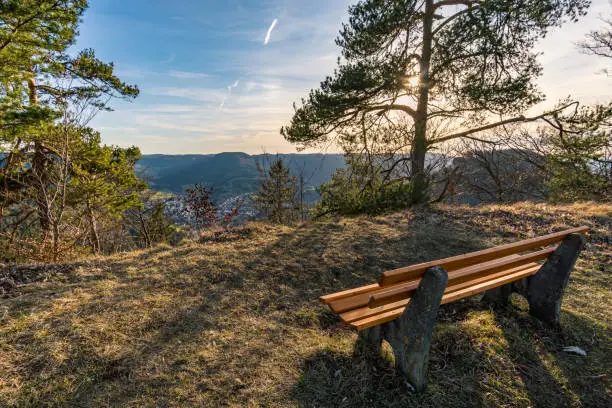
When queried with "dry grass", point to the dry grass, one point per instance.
{"points": [[236, 322]]}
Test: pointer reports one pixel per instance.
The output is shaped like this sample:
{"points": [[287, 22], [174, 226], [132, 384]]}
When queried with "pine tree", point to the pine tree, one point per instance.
{"points": [[276, 197], [160, 227], [48, 93], [466, 66], [103, 181], [41, 81]]}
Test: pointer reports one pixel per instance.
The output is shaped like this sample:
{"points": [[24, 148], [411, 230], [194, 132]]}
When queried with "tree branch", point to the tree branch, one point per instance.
{"points": [[392, 106], [468, 3], [454, 16], [516, 119]]}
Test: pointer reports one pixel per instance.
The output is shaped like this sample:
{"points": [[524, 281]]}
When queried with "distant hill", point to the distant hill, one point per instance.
{"points": [[231, 173]]}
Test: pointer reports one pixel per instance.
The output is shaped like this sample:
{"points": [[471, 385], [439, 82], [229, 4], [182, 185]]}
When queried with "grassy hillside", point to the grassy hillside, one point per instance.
{"points": [[237, 323]]}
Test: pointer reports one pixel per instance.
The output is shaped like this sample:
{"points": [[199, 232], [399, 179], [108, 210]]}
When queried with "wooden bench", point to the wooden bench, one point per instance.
{"points": [[402, 307]]}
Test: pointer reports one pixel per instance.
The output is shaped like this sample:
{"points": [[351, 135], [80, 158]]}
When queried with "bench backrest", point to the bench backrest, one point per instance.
{"points": [[472, 258]]}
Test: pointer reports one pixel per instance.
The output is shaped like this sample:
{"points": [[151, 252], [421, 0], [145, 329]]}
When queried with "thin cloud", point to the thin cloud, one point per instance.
{"points": [[232, 86], [267, 39], [251, 85], [188, 75]]}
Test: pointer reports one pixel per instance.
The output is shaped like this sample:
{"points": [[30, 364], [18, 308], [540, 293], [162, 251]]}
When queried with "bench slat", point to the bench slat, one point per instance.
{"points": [[333, 297], [465, 274], [459, 261], [363, 299], [399, 292], [363, 312], [482, 287], [348, 293], [385, 317]]}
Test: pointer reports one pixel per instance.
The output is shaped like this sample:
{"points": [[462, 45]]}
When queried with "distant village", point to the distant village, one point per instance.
{"points": [[176, 209]]}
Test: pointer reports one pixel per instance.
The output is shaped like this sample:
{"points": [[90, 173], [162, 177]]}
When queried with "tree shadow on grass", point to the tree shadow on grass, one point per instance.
{"points": [[335, 379], [68, 354], [479, 357], [552, 377], [332, 378], [75, 350], [588, 376]]}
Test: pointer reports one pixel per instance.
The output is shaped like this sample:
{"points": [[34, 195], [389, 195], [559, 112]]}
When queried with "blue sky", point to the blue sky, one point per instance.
{"points": [[210, 84]]}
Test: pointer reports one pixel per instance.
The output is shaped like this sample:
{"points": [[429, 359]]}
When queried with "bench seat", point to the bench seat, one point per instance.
{"points": [[366, 317]]}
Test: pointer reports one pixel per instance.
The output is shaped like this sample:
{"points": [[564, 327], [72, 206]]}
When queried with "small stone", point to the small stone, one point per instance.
{"points": [[575, 350]]}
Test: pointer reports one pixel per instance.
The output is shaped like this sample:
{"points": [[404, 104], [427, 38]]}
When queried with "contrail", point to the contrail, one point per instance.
{"points": [[229, 92], [270, 31]]}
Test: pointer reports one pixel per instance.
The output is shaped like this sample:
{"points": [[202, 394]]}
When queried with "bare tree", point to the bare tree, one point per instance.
{"points": [[491, 171], [599, 42]]}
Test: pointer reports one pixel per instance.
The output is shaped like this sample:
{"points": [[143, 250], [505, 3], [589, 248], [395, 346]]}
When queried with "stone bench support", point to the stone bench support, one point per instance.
{"points": [[544, 290], [410, 335]]}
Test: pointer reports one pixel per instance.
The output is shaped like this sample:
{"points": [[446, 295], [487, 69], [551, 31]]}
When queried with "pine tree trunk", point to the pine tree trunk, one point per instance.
{"points": [[5, 174], [42, 205], [301, 197], [93, 228], [39, 171], [419, 145], [145, 231]]}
